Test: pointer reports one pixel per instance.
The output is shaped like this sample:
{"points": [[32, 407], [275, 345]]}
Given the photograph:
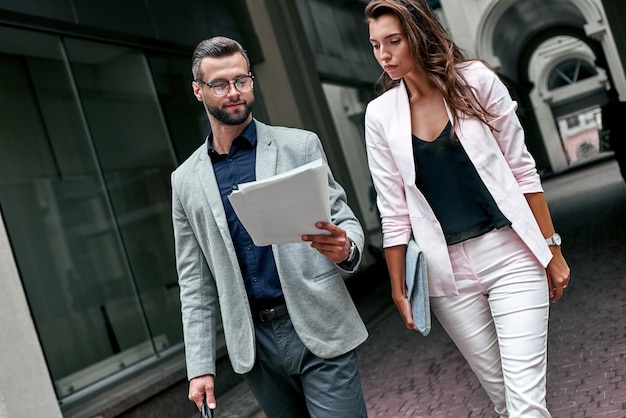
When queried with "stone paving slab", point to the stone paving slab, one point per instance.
{"points": [[407, 375]]}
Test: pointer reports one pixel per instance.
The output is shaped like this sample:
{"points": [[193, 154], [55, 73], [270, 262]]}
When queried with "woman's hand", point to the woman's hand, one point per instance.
{"points": [[406, 311], [558, 274], [557, 270], [396, 264]]}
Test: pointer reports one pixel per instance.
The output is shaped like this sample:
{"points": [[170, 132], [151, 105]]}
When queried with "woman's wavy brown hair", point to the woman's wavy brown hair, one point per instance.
{"points": [[434, 51]]}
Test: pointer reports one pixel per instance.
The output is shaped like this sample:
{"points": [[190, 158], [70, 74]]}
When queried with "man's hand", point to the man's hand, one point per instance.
{"points": [[335, 246], [201, 387]]}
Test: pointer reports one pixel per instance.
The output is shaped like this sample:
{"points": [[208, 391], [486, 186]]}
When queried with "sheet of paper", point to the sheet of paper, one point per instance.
{"points": [[282, 208]]}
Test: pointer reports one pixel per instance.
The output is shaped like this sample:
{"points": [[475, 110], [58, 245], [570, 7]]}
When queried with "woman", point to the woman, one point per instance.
{"points": [[448, 159]]}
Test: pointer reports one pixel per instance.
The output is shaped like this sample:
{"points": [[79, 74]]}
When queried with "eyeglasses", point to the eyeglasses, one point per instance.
{"points": [[220, 88]]}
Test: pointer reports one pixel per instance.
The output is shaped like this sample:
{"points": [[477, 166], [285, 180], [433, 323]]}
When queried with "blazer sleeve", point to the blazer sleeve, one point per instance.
{"points": [[340, 213], [506, 128], [198, 293], [387, 180]]}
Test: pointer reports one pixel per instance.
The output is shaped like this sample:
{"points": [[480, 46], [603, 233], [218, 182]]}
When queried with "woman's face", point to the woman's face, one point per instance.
{"points": [[390, 46]]}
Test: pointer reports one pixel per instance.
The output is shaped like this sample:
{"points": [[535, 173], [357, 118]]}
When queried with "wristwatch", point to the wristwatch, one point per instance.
{"points": [[555, 239], [352, 251]]}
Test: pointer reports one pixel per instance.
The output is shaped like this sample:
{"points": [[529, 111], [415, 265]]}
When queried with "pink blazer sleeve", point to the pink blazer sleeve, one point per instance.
{"points": [[387, 177]]}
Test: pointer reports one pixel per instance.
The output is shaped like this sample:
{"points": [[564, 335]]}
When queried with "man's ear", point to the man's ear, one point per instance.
{"points": [[197, 91]]}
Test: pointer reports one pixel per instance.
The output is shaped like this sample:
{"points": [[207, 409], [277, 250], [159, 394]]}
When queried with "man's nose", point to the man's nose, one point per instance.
{"points": [[232, 89]]}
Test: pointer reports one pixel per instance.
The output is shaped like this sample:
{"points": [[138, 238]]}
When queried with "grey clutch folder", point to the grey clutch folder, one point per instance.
{"points": [[417, 286]]}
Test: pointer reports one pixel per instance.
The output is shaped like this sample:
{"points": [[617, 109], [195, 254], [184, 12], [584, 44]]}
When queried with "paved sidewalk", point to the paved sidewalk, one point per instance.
{"points": [[407, 375]]}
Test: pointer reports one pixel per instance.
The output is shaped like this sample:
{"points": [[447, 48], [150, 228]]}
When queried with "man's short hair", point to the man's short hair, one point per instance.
{"points": [[215, 47]]}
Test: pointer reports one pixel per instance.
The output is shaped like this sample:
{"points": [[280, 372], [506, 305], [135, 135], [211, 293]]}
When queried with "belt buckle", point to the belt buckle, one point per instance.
{"points": [[271, 313], [268, 314]]}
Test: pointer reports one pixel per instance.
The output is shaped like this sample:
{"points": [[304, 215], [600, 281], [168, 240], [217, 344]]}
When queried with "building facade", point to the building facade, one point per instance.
{"points": [[559, 57], [96, 111]]}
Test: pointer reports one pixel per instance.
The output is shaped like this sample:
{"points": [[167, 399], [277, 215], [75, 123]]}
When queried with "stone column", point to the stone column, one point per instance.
{"points": [[25, 386]]}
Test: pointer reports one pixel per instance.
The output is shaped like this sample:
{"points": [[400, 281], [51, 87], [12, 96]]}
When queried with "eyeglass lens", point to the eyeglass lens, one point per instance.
{"points": [[242, 84]]}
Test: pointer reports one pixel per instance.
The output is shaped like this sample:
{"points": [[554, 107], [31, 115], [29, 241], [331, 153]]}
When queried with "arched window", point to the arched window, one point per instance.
{"points": [[570, 72]]}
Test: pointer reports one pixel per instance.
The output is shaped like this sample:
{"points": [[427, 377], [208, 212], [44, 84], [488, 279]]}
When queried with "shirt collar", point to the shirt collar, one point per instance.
{"points": [[248, 134]]}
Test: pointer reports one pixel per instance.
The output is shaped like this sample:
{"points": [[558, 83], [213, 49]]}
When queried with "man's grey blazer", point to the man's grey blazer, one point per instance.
{"points": [[317, 299]]}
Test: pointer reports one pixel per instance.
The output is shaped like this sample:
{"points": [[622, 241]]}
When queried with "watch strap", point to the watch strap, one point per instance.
{"points": [[352, 251], [554, 239]]}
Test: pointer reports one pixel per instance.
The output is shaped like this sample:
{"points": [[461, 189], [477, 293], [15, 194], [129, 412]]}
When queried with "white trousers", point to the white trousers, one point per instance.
{"points": [[499, 320]]}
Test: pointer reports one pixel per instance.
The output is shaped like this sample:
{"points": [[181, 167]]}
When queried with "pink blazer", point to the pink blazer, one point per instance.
{"points": [[500, 157]]}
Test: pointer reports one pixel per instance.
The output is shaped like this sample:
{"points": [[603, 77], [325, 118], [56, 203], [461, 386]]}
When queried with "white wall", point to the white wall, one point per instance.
{"points": [[25, 386]]}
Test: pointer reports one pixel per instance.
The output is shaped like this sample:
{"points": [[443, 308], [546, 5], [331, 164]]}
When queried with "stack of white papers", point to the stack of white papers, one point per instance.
{"points": [[282, 208]]}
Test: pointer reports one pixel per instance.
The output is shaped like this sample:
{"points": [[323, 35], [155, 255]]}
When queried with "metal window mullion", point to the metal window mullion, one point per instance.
{"points": [[108, 200]]}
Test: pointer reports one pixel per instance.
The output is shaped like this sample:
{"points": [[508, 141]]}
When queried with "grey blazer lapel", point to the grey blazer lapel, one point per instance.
{"points": [[211, 191], [265, 152]]}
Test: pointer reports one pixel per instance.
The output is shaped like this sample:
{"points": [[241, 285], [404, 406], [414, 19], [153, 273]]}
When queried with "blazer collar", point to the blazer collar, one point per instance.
{"points": [[206, 175], [266, 152]]}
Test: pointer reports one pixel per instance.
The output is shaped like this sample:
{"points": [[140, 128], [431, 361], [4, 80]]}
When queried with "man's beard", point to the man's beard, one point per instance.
{"points": [[231, 119]]}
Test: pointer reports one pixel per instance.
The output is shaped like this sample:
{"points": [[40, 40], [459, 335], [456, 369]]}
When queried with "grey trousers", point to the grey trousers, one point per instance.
{"points": [[289, 381]]}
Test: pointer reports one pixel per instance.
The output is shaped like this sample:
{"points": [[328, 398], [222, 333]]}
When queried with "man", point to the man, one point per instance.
{"points": [[290, 325], [613, 115]]}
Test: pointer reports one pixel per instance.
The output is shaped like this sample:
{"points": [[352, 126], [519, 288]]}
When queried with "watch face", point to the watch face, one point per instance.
{"points": [[557, 238]]}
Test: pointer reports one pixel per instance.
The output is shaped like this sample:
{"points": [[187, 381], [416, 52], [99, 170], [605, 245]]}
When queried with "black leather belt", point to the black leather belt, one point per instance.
{"points": [[272, 313]]}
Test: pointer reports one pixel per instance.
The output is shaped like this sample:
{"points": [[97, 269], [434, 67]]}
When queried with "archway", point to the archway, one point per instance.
{"points": [[510, 34]]}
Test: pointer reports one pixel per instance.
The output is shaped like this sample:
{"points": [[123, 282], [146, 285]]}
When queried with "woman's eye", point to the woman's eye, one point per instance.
{"points": [[375, 46], [395, 42]]}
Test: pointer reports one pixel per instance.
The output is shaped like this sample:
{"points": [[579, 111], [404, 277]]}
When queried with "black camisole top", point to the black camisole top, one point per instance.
{"points": [[457, 195]]}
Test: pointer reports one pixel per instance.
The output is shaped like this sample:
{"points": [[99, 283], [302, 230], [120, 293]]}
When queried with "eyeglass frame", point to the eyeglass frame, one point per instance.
{"points": [[233, 82]]}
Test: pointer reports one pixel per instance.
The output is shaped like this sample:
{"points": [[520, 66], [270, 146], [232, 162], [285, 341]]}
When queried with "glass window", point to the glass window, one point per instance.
{"points": [[186, 118], [133, 147], [572, 122], [570, 72], [85, 159]]}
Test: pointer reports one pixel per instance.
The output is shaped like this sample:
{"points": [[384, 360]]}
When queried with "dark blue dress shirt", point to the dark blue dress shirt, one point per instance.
{"points": [[257, 263]]}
